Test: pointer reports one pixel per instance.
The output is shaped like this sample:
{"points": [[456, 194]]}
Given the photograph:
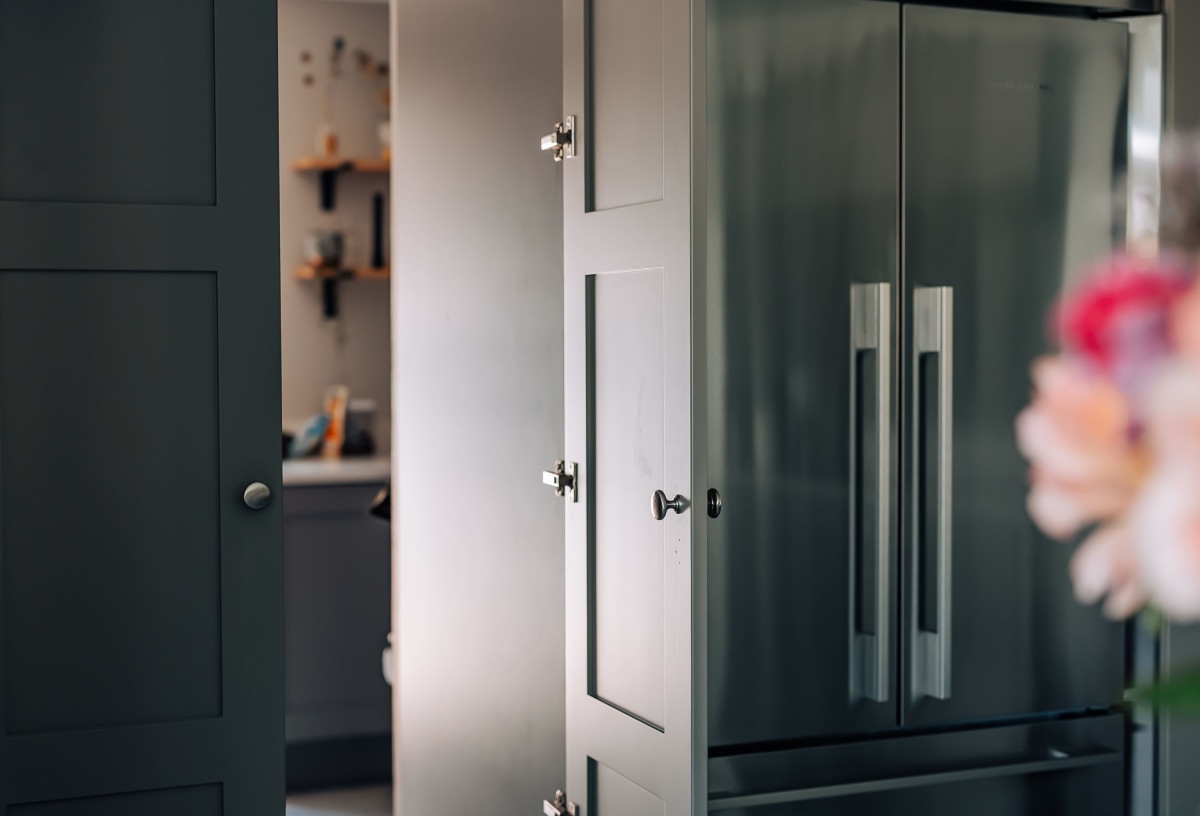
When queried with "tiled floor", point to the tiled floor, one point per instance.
{"points": [[376, 801]]}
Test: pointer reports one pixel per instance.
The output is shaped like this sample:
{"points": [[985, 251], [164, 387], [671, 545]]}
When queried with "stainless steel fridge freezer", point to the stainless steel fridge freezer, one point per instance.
{"points": [[896, 194]]}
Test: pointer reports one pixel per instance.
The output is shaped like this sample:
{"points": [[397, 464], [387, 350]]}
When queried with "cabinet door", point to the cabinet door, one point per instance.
{"points": [[803, 121], [1014, 137], [337, 590], [631, 718], [141, 642]]}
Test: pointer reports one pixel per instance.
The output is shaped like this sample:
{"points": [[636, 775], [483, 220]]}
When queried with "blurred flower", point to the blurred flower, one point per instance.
{"points": [[1106, 564], [1084, 467], [1166, 520], [1119, 319]]}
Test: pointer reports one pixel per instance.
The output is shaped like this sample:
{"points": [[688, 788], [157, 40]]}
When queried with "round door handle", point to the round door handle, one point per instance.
{"points": [[714, 502], [257, 496], [660, 504]]}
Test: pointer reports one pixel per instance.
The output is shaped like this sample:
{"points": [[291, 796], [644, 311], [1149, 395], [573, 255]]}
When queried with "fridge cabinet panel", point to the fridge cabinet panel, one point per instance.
{"points": [[1065, 768], [802, 261], [1014, 140], [1095, 791]]}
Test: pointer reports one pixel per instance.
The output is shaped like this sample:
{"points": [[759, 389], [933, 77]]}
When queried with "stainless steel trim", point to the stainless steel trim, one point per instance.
{"points": [[1057, 761], [1143, 195], [1145, 106], [871, 329], [933, 333]]}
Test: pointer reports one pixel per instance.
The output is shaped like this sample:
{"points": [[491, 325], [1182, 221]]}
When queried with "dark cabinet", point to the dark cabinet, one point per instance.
{"points": [[337, 563]]}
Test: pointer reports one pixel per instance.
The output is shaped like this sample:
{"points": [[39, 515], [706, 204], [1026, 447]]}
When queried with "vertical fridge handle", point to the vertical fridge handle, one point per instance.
{"points": [[933, 334], [871, 330]]}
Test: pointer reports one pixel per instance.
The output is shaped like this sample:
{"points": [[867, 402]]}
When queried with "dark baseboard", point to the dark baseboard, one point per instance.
{"points": [[339, 763]]}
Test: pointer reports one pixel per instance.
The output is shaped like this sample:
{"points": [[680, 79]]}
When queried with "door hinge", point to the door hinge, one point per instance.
{"points": [[563, 479], [560, 806], [561, 140]]}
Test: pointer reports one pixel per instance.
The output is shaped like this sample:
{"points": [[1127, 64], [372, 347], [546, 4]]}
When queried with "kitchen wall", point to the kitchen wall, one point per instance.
{"points": [[354, 349]]}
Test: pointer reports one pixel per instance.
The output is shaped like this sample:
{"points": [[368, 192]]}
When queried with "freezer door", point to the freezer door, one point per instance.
{"points": [[803, 127], [1014, 137], [1054, 768]]}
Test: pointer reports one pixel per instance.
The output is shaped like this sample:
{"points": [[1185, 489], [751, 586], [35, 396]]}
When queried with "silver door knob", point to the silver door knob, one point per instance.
{"points": [[257, 496], [660, 504]]}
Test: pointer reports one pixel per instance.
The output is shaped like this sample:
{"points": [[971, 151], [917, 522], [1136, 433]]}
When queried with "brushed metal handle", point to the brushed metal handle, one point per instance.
{"points": [[660, 504], [933, 334], [871, 330], [257, 496]]}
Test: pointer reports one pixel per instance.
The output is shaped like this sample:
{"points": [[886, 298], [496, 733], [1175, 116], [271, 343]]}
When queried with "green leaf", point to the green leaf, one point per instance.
{"points": [[1178, 694]]}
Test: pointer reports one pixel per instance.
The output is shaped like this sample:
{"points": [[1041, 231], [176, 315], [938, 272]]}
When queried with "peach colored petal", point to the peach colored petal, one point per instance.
{"points": [[1053, 446], [1185, 325], [1105, 565], [1166, 518], [1093, 406]]}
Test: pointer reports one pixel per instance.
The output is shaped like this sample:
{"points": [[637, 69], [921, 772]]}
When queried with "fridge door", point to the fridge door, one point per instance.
{"points": [[1014, 137], [803, 127], [1063, 768]]}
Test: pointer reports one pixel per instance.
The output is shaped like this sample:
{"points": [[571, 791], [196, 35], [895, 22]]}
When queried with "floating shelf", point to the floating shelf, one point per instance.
{"points": [[359, 273], [338, 164]]}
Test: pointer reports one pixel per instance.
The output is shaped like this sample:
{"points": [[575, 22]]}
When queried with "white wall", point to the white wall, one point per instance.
{"points": [[354, 349], [478, 329]]}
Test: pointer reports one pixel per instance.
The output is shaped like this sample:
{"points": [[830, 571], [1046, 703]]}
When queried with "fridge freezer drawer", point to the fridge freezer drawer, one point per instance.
{"points": [[1061, 767]]}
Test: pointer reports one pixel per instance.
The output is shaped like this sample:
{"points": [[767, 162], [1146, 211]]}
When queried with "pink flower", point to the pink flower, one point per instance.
{"points": [[1165, 523], [1119, 318], [1084, 467], [1106, 564]]}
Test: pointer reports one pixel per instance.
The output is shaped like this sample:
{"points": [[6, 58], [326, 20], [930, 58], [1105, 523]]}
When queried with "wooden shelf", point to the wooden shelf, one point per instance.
{"points": [[360, 273], [318, 164]]}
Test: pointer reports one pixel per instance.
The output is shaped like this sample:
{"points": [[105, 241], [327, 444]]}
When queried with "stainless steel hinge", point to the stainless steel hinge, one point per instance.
{"points": [[561, 140], [560, 806], [563, 479]]}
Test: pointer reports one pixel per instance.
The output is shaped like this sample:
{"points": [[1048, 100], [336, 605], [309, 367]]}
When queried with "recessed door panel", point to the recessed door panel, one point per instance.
{"points": [[108, 101], [616, 795], [115, 559], [625, 51], [200, 800], [628, 466]]}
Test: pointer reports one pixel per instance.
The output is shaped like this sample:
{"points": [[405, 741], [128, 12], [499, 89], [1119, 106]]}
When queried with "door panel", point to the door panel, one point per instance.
{"points": [[198, 800], [615, 795], [1013, 141], [628, 300], [628, 549], [90, 641], [803, 124], [139, 396], [81, 131], [625, 105]]}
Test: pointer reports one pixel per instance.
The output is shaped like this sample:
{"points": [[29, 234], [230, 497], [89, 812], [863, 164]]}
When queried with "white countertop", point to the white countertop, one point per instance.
{"points": [[352, 470]]}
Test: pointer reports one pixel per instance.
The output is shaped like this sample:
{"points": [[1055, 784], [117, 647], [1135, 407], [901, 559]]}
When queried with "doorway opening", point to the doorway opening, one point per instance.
{"points": [[334, 179]]}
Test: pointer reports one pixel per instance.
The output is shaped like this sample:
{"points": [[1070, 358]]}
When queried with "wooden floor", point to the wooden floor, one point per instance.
{"points": [[375, 801]]}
